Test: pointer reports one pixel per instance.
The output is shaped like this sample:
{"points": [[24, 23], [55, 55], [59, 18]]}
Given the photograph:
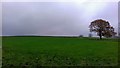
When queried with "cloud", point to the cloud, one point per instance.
{"points": [[54, 18]]}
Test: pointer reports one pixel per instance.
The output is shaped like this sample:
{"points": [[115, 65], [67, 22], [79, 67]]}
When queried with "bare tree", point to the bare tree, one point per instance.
{"points": [[102, 27]]}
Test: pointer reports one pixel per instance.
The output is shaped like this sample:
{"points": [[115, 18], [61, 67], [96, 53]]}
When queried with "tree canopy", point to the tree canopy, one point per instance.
{"points": [[102, 27]]}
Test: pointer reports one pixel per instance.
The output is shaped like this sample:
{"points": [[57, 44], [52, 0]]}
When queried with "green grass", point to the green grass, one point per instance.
{"points": [[0, 57], [59, 51]]}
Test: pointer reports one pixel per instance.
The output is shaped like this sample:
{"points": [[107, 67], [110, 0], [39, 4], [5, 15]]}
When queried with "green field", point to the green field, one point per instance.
{"points": [[58, 51], [0, 57]]}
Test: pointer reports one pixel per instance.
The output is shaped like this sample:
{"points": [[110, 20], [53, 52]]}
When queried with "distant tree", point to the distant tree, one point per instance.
{"points": [[102, 27], [119, 34], [90, 35], [80, 35]]}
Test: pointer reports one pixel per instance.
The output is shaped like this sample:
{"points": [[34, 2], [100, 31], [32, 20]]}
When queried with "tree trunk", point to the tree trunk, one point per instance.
{"points": [[100, 33], [100, 36]]}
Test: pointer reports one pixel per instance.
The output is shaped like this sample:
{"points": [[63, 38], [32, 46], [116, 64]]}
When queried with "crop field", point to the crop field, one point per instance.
{"points": [[0, 57], [32, 52]]}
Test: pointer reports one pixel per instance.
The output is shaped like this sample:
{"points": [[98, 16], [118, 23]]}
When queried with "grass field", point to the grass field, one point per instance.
{"points": [[58, 51], [0, 57]]}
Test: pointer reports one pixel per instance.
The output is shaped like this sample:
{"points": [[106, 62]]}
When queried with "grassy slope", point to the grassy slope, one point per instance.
{"points": [[59, 51]]}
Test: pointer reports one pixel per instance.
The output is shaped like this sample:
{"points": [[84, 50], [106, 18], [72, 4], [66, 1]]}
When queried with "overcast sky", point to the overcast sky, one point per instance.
{"points": [[55, 18]]}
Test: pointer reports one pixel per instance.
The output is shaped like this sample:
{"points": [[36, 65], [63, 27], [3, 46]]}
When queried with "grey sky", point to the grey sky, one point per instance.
{"points": [[55, 18]]}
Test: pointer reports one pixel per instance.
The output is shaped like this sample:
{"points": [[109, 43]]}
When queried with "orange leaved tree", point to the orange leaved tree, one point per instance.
{"points": [[102, 28]]}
